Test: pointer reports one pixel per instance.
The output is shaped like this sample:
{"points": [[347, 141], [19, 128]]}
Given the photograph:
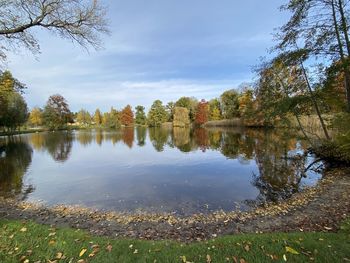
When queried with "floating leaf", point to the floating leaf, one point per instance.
{"points": [[82, 252]]}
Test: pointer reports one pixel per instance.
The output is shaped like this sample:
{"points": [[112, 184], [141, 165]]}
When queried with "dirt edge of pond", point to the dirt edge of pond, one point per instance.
{"points": [[319, 208]]}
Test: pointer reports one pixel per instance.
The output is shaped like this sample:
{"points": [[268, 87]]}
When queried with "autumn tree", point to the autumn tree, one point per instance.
{"points": [[127, 116], [97, 117], [245, 102], [157, 114], [79, 21], [111, 119], [12, 105], [230, 104], [188, 103], [140, 116], [181, 117], [170, 107], [56, 112], [84, 117], [202, 112], [36, 117], [215, 110], [321, 28]]}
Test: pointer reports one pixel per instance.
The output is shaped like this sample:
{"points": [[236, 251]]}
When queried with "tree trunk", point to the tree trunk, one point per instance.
{"points": [[341, 50], [312, 96]]}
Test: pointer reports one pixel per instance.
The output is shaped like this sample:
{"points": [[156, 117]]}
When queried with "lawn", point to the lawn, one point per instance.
{"points": [[31, 242]]}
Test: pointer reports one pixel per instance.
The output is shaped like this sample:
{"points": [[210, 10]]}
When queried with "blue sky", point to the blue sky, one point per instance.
{"points": [[158, 49]]}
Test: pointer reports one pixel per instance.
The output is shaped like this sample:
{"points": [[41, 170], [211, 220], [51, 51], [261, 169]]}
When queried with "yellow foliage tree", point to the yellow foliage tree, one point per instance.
{"points": [[35, 117]]}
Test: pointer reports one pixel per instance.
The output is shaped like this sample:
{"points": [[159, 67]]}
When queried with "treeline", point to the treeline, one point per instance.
{"points": [[186, 110], [56, 114]]}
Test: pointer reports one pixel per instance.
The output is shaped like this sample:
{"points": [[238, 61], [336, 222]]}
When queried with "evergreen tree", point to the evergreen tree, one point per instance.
{"points": [[140, 116], [157, 114]]}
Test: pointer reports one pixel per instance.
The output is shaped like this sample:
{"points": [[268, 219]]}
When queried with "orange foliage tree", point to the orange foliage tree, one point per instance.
{"points": [[202, 112], [127, 116]]}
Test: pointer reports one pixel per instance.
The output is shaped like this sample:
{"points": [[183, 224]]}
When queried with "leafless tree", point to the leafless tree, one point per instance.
{"points": [[81, 21]]}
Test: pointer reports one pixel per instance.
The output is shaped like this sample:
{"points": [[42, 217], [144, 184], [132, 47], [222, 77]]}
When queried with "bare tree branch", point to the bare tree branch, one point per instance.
{"points": [[81, 21]]}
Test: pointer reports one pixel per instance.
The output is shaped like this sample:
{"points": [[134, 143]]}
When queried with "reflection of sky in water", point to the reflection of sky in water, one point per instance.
{"points": [[117, 177]]}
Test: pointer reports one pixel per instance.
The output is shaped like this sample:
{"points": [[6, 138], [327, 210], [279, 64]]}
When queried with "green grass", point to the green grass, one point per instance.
{"points": [[30, 242]]}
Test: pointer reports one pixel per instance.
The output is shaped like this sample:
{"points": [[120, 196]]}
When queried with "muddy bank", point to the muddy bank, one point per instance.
{"points": [[315, 209]]}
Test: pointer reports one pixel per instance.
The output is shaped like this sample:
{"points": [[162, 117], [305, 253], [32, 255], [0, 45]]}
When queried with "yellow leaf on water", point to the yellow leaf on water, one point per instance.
{"points": [[292, 251], [82, 252]]}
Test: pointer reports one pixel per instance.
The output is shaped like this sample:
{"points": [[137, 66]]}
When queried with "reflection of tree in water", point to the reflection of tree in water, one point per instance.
{"points": [[59, 145], [141, 133], [230, 145], [38, 141], [85, 137], [128, 136], [215, 139], [159, 137], [202, 139], [15, 158], [279, 173], [182, 139], [99, 137]]}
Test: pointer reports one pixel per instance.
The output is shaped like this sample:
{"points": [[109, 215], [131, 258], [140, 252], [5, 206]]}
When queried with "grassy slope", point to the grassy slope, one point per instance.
{"points": [[30, 242]]}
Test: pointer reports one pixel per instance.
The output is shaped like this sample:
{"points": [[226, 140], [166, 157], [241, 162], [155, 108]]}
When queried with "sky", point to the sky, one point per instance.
{"points": [[157, 49]]}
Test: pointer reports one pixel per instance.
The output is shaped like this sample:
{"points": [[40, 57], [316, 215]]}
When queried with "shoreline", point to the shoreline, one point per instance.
{"points": [[314, 209]]}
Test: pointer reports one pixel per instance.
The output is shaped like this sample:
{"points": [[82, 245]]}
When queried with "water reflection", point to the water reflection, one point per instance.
{"points": [[15, 158], [225, 166]]}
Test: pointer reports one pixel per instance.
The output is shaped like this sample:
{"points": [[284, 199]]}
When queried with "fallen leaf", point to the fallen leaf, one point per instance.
{"points": [[284, 257], [23, 229], [292, 251], [208, 259], [82, 252], [247, 248], [109, 248], [59, 255]]}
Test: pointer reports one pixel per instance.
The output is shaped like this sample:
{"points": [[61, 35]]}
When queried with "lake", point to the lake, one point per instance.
{"points": [[184, 171]]}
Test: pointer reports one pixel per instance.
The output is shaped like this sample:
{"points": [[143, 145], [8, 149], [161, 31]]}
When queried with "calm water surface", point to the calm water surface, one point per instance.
{"points": [[155, 170]]}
